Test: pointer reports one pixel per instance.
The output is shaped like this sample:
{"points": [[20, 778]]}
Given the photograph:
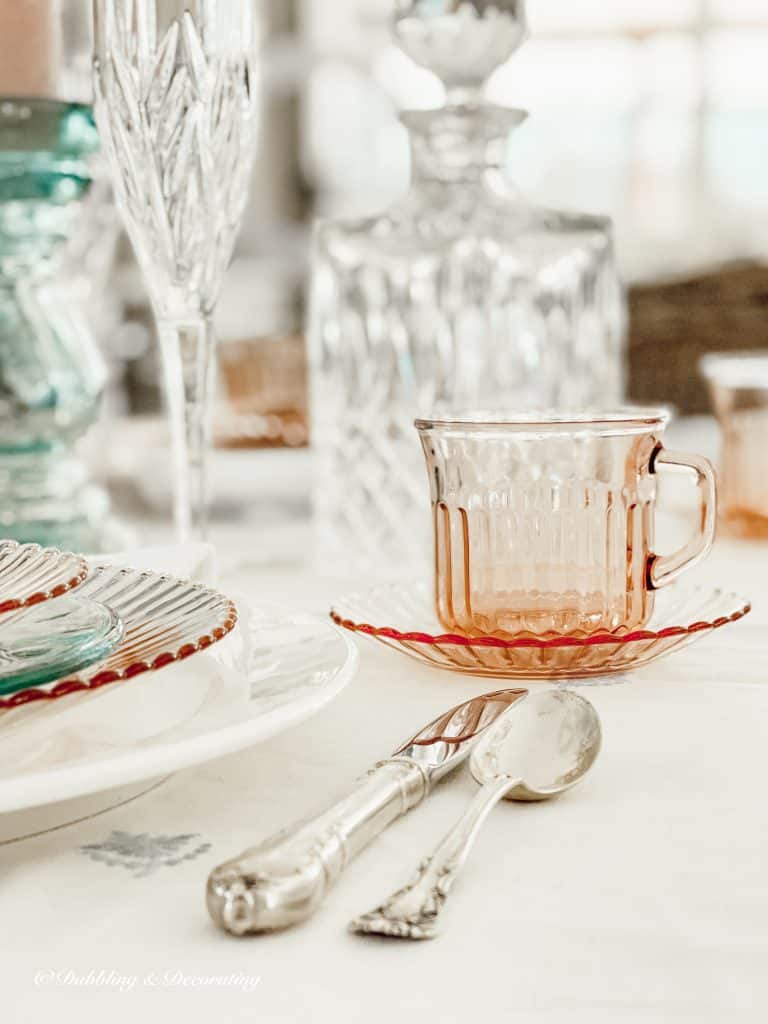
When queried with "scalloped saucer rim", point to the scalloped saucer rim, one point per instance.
{"points": [[529, 640]]}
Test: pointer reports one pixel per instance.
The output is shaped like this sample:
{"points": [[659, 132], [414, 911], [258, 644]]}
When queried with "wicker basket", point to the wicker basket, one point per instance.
{"points": [[675, 322]]}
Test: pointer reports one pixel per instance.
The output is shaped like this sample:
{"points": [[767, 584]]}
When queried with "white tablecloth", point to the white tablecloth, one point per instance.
{"points": [[640, 896]]}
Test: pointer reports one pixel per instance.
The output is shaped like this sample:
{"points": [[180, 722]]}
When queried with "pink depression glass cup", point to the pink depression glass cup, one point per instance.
{"points": [[738, 384], [544, 524]]}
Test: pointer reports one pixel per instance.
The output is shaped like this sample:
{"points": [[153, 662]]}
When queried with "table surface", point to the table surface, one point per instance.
{"points": [[639, 896]]}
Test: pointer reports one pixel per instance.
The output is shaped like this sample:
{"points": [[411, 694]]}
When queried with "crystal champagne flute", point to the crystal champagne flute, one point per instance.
{"points": [[174, 93]]}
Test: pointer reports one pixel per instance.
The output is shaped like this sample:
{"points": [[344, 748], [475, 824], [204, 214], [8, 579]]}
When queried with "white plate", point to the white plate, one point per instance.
{"points": [[274, 671]]}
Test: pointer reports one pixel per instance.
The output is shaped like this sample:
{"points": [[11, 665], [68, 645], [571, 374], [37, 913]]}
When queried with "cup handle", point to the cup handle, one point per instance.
{"points": [[665, 569]]}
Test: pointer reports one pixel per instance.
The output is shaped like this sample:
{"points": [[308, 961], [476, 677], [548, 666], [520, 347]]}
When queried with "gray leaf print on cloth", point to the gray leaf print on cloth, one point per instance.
{"points": [[143, 854]]}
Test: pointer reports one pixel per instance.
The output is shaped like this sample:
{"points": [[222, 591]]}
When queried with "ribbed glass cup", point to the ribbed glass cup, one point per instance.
{"points": [[544, 525]]}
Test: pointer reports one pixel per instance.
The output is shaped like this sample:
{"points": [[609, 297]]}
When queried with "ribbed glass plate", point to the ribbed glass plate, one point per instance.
{"points": [[402, 616], [165, 620], [41, 644], [30, 574]]}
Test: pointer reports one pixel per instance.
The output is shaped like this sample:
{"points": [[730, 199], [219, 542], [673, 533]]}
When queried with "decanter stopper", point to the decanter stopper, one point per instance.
{"points": [[461, 41]]}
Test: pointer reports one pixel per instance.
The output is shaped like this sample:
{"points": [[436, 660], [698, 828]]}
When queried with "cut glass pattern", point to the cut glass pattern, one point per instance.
{"points": [[178, 117], [462, 296]]}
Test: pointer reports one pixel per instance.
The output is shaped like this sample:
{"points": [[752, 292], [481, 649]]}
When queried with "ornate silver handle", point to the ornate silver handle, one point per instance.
{"points": [[283, 880], [412, 912]]}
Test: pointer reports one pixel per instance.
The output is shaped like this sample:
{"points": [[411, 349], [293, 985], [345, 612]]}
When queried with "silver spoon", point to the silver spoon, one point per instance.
{"points": [[541, 747]]}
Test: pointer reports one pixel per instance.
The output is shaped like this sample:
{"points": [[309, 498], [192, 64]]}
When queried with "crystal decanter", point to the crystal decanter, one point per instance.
{"points": [[462, 295]]}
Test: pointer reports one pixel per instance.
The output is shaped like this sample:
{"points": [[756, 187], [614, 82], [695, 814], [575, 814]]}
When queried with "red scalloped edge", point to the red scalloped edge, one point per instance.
{"points": [[15, 604], [106, 678], [593, 640]]}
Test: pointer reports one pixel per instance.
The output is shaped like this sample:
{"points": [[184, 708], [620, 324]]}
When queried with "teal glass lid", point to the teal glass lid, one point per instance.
{"points": [[53, 640], [45, 150]]}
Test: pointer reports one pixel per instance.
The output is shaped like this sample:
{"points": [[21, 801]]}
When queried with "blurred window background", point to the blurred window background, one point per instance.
{"points": [[654, 113]]}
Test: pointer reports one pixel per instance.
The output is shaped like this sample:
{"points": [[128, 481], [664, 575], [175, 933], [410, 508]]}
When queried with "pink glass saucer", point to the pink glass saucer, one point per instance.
{"points": [[164, 620], [30, 574], [402, 617]]}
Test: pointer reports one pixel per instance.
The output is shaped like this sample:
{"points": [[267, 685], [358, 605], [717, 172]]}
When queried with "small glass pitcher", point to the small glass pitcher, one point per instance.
{"points": [[738, 384], [544, 524]]}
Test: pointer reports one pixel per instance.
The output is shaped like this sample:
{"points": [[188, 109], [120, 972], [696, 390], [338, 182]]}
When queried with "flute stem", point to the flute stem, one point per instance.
{"points": [[187, 348]]}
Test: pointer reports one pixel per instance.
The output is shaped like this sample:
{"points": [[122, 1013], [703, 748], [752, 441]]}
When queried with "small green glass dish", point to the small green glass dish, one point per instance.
{"points": [[53, 640]]}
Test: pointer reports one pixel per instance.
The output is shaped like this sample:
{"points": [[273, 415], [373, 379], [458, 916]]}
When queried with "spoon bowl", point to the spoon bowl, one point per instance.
{"points": [[545, 747]]}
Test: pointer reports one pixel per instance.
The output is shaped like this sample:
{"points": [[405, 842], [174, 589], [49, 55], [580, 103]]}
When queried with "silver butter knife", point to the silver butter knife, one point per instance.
{"points": [[283, 881]]}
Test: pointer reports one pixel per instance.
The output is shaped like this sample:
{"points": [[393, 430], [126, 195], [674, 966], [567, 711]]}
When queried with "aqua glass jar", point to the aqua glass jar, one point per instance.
{"points": [[51, 372]]}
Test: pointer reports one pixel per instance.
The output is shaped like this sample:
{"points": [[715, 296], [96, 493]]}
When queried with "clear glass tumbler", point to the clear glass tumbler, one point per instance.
{"points": [[738, 384], [545, 524]]}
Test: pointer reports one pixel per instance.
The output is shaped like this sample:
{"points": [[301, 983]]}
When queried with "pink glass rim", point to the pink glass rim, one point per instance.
{"points": [[598, 639], [629, 420]]}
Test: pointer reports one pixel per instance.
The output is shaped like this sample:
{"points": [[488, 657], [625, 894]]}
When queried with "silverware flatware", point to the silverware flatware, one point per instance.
{"points": [[285, 879], [537, 749]]}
